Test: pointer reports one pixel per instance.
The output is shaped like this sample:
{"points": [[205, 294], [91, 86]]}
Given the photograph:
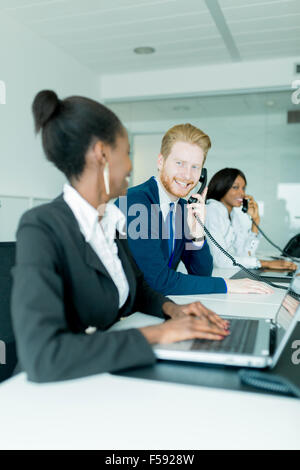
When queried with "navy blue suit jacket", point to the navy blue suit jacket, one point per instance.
{"points": [[147, 240]]}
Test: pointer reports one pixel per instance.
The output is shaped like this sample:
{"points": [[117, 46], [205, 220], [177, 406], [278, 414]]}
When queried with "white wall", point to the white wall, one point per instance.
{"points": [[29, 64], [263, 146]]}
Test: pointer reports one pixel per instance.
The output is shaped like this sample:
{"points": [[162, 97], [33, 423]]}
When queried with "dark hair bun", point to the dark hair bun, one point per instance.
{"points": [[45, 105]]}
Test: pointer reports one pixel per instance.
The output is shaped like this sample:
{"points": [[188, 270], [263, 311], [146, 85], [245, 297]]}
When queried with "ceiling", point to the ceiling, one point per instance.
{"points": [[103, 33], [204, 107]]}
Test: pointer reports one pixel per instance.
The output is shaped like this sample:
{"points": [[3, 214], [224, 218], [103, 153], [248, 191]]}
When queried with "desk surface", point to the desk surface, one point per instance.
{"points": [[253, 305], [267, 299], [247, 307], [110, 412]]}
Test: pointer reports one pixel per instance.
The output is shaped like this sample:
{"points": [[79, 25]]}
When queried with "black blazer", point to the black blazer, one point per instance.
{"points": [[60, 287]]}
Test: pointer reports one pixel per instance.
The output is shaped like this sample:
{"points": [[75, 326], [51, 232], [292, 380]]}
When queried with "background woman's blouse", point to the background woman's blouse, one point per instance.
{"points": [[234, 235]]}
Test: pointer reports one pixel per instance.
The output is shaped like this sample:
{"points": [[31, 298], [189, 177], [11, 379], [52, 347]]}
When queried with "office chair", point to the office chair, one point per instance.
{"points": [[8, 346]]}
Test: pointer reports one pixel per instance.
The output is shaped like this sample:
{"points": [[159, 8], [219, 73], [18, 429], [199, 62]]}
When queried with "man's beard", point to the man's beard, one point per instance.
{"points": [[167, 183]]}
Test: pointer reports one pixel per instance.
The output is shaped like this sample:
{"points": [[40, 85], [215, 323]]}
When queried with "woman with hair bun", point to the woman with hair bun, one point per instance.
{"points": [[74, 275], [234, 230]]}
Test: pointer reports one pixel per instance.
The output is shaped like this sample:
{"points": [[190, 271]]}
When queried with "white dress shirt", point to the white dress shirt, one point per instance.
{"points": [[235, 235], [101, 235], [164, 202]]}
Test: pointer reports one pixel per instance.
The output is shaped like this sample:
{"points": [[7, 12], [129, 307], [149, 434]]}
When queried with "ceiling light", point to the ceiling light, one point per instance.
{"points": [[144, 50]]}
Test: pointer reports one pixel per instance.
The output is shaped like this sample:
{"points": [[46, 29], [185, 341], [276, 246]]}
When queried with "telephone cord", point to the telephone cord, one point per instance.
{"points": [[235, 263]]}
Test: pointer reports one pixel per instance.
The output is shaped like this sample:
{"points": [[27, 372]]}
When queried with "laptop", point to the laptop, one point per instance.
{"points": [[252, 343]]}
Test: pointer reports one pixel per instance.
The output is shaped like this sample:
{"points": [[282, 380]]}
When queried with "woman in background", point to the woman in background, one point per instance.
{"points": [[74, 275], [235, 230]]}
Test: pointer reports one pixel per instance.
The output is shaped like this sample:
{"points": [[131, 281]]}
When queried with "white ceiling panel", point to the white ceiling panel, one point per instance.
{"points": [[144, 12], [131, 41], [151, 28], [112, 11], [261, 9], [228, 4], [265, 54], [170, 60], [13, 4], [164, 48], [103, 33], [37, 9], [265, 24], [274, 45], [129, 25], [291, 34]]}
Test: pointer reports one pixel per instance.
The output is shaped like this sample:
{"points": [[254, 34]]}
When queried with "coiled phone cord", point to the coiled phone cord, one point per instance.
{"points": [[235, 263]]}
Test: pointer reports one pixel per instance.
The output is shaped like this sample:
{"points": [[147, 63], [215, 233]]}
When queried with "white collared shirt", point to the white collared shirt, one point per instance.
{"points": [[164, 202], [101, 235]]}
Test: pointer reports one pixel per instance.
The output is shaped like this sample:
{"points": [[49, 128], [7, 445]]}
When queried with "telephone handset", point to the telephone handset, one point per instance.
{"points": [[191, 200], [245, 205], [203, 181]]}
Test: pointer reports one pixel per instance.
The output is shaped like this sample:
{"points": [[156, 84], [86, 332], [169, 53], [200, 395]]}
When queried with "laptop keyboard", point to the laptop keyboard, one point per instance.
{"points": [[241, 339]]}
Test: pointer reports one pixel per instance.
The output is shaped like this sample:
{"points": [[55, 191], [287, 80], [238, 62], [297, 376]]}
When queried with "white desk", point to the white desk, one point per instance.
{"points": [[248, 305], [109, 412], [267, 299], [113, 412]]}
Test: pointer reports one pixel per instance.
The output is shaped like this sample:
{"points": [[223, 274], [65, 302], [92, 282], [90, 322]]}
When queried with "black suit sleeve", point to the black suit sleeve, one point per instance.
{"points": [[47, 349]]}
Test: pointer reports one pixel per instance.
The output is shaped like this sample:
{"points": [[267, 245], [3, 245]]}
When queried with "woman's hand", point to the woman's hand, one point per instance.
{"points": [[199, 209], [188, 321], [252, 208], [247, 286], [188, 327], [290, 304], [278, 264], [196, 309], [253, 212]]}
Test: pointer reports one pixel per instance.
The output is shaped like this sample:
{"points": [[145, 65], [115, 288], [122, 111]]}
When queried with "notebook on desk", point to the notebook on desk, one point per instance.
{"points": [[252, 343]]}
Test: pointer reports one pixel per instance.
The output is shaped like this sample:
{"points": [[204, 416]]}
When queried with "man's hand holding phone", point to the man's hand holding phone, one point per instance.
{"points": [[197, 208]]}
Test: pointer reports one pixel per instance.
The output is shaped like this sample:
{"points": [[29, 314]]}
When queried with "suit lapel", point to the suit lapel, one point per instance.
{"points": [[128, 270], [162, 227], [91, 258]]}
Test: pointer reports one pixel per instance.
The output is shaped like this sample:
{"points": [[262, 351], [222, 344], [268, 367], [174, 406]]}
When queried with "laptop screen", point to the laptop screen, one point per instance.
{"points": [[288, 313], [289, 303]]}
